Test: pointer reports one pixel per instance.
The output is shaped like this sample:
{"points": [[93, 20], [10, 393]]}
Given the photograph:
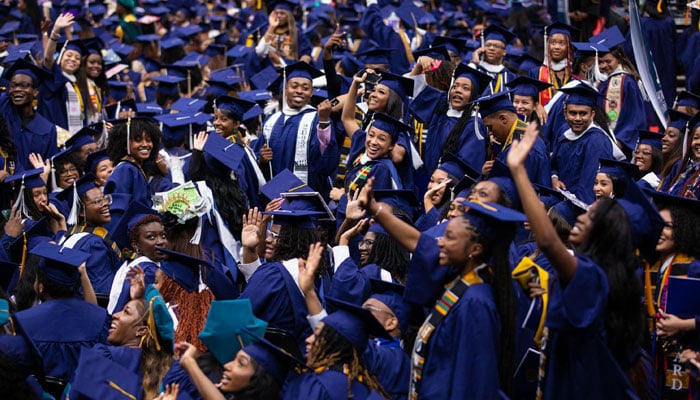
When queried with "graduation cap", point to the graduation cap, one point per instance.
{"points": [[350, 64], [94, 159], [390, 125], [187, 32], [239, 51], [28, 179], [274, 360], [101, 378], [548, 196], [375, 56], [495, 102], [652, 139], [159, 319], [113, 110], [284, 182], [663, 200], [224, 333], [75, 45], [403, 199], [478, 79], [678, 120], [34, 233], [493, 221], [581, 95], [299, 69], [301, 200], [237, 107], [527, 63], [354, 323], [526, 86], [462, 188], [302, 217], [435, 52], [118, 89], [85, 135], [453, 165], [688, 99], [179, 125], [452, 44], [9, 28], [186, 104], [287, 5], [499, 33], [71, 195], [181, 268], [122, 49], [171, 43], [391, 294], [621, 170], [588, 49], [500, 175], [133, 214], [560, 27], [60, 263], [401, 85], [223, 151], [22, 67], [257, 96], [168, 85], [94, 45], [148, 109], [610, 38], [215, 50]]}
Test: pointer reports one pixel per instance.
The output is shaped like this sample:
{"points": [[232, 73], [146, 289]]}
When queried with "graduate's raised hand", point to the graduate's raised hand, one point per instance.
{"points": [[308, 267], [186, 351], [199, 140], [324, 111], [352, 232], [252, 224], [13, 226], [57, 220], [137, 282], [354, 210], [366, 197], [519, 149], [38, 162], [63, 21]]}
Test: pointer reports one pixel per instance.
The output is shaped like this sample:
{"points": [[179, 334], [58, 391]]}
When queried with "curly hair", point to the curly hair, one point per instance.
{"points": [[330, 348], [686, 229], [624, 319], [262, 385], [134, 233], [441, 77], [390, 255], [117, 145], [294, 242]]}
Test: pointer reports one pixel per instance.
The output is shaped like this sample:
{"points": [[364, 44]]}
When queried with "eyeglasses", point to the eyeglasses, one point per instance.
{"points": [[68, 170], [21, 85], [272, 235], [100, 201], [364, 243], [494, 46]]}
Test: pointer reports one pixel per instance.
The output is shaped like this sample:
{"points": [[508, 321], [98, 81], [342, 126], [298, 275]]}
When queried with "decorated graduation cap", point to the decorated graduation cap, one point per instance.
{"points": [[374, 56], [622, 170], [499, 33], [688, 99], [652, 139], [494, 103], [354, 323], [526, 86], [60, 263], [453, 165], [101, 378], [391, 294], [22, 67], [181, 268], [237, 107], [452, 44], [228, 328], [169, 85], [493, 221], [300, 200], [478, 79], [134, 213], [274, 360], [401, 85], [581, 95], [284, 182], [390, 125], [610, 38]]}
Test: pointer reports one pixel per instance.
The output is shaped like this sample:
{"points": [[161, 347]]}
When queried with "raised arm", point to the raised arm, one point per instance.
{"points": [[347, 117], [62, 22], [547, 239]]}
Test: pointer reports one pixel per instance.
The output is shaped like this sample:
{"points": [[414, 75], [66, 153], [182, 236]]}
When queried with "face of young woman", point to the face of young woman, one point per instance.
{"points": [[457, 242], [695, 144], [669, 140], [608, 63], [40, 197], [237, 373], [309, 341], [70, 62], [379, 98], [271, 240], [93, 66], [151, 235], [437, 178], [224, 125], [378, 143], [643, 158], [460, 93], [524, 105], [603, 186], [67, 176], [485, 191], [141, 149], [124, 324], [581, 230], [557, 48], [103, 171], [456, 208], [96, 207], [666, 244], [365, 246]]}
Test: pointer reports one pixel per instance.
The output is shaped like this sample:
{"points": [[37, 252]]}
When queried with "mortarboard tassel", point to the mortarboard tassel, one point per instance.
{"points": [[685, 140], [19, 203], [128, 136], [24, 254], [73, 216]]}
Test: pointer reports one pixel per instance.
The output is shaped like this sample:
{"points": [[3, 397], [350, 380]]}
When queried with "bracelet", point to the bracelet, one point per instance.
{"points": [[324, 125], [381, 207]]}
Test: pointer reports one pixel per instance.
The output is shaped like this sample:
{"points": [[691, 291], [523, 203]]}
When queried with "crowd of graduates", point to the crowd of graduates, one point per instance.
{"points": [[384, 199]]}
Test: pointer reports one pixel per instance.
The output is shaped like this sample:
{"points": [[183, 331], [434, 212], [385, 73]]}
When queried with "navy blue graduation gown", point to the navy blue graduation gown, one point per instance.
{"points": [[283, 139], [349, 283], [127, 357], [465, 365], [52, 101], [629, 120], [471, 147], [37, 136], [386, 360], [426, 278], [149, 271], [678, 182], [428, 220], [327, 385], [505, 76], [375, 28], [102, 264], [537, 163], [580, 366], [576, 162], [129, 178], [59, 329], [276, 298], [555, 125]]}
